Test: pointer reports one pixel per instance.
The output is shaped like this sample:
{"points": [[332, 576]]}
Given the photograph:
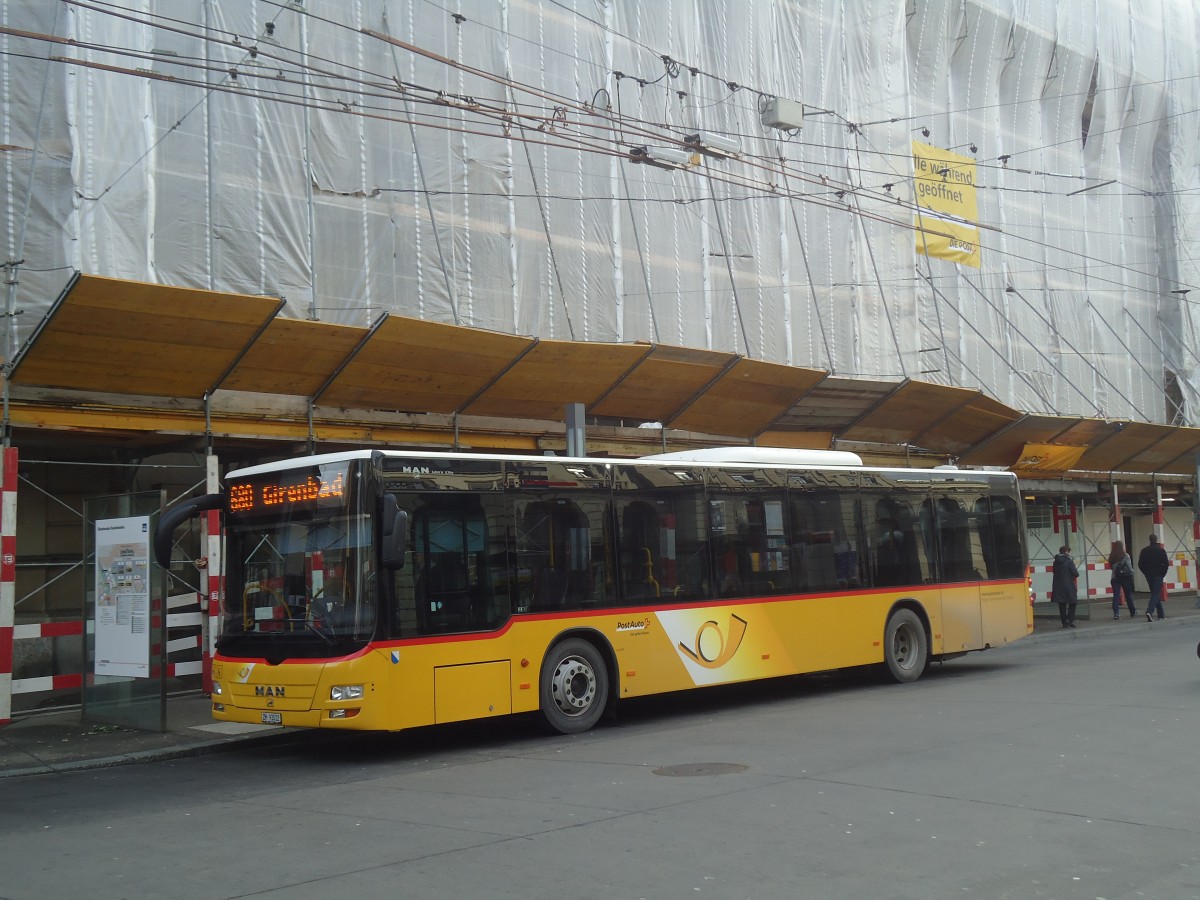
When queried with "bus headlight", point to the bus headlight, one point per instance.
{"points": [[346, 692], [217, 692]]}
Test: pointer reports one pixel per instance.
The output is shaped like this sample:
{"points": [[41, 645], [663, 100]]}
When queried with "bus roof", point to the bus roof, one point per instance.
{"points": [[742, 457], [761, 456]]}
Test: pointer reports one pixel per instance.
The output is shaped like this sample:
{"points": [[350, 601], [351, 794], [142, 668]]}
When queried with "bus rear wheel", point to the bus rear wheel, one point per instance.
{"points": [[574, 686], [905, 646]]}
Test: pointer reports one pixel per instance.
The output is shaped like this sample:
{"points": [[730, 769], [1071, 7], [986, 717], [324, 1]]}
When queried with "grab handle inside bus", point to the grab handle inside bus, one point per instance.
{"points": [[175, 516], [395, 532]]}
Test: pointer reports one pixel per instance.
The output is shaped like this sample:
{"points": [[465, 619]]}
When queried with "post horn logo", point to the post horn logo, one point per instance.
{"points": [[702, 653]]}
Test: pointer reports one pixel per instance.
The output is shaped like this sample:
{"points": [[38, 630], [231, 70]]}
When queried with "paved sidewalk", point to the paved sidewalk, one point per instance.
{"points": [[1096, 618], [60, 741]]}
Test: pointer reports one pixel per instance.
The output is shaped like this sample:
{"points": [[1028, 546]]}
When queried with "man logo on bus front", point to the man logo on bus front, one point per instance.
{"points": [[702, 653]]}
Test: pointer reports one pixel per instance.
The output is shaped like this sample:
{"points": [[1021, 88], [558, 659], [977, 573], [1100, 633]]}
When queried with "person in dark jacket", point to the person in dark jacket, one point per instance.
{"points": [[1153, 563], [1122, 578], [1064, 590]]}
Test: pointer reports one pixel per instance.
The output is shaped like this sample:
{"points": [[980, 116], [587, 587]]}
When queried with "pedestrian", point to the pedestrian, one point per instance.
{"points": [[1122, 578], [1065, 589], [1153, 563]]}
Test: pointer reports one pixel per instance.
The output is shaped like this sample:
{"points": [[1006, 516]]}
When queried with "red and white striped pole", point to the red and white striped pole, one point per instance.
{"points": [[8, 576], [214, 586]]}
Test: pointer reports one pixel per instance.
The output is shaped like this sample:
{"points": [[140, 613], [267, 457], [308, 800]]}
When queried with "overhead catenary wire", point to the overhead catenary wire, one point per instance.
{"points": [[97, 5], [563, 143], [541, 115], [855, 192], [264, 51], [855, 127], [1004, 158]]}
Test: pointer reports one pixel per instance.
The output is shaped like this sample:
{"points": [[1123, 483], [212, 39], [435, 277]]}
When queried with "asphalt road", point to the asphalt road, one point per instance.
{"points": [[1063, 769]]}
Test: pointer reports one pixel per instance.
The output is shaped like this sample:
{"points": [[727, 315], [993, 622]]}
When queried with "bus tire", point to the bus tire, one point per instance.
{"points": [[574, 686], [905, 646]]}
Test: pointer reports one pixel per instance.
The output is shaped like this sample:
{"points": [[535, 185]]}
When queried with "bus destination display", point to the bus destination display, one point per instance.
{"points": [[249, 497]]}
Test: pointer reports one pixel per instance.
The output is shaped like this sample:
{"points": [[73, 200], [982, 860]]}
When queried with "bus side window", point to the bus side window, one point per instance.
{"points": [[750, 555], [896, 543], [950, 533], [560, 553], [640, 552], [1000, 536], [446, 583], [663, 550], [824, 539]]}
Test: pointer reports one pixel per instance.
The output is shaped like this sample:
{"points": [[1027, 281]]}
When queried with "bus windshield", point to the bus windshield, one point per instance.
{"points": [[301, 563]]}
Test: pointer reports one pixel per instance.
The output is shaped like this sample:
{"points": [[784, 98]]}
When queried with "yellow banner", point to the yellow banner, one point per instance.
{"points": [[1043, 458], [948, 211]]}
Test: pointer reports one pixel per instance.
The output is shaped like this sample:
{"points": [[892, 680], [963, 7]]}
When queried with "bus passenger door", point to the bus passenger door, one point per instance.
{"points": [[1003, 598], [955, 537]]}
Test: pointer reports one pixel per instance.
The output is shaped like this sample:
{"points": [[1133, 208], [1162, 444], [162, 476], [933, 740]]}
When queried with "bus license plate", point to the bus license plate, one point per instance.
{"points": [[272, 718]]}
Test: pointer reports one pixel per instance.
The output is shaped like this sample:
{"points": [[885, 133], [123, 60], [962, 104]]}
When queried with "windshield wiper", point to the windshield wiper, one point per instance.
{"points": [[326, 636]]}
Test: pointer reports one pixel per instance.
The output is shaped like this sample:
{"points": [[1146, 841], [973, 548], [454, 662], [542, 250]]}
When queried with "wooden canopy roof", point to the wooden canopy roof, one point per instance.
{"points": [[129, 338]]}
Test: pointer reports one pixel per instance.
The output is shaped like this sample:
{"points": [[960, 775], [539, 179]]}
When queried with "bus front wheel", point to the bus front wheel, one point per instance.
{"points": [[574, 687], [905, 646]]}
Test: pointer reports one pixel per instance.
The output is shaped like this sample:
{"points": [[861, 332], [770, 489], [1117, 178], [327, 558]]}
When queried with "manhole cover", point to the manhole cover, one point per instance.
{"points": [[687, 770]]}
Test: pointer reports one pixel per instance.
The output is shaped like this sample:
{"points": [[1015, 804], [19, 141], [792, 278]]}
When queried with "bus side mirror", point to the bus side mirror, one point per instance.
{"points": [[175, 516], [395, 531]]}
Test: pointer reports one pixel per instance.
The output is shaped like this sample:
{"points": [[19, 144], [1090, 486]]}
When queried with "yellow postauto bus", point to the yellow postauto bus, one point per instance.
{"points": [[389, 590]]}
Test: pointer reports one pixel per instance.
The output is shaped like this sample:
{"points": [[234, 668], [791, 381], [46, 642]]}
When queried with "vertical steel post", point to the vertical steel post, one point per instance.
{"points": [[1114, 517], [576, 430]]}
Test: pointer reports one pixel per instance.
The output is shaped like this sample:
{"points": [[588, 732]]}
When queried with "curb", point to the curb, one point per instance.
{"points": [[1097, 631], [202, 748]]}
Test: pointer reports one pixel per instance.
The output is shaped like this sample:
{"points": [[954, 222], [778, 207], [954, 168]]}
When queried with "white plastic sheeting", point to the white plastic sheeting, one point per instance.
{"points": [[475, 169]]}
